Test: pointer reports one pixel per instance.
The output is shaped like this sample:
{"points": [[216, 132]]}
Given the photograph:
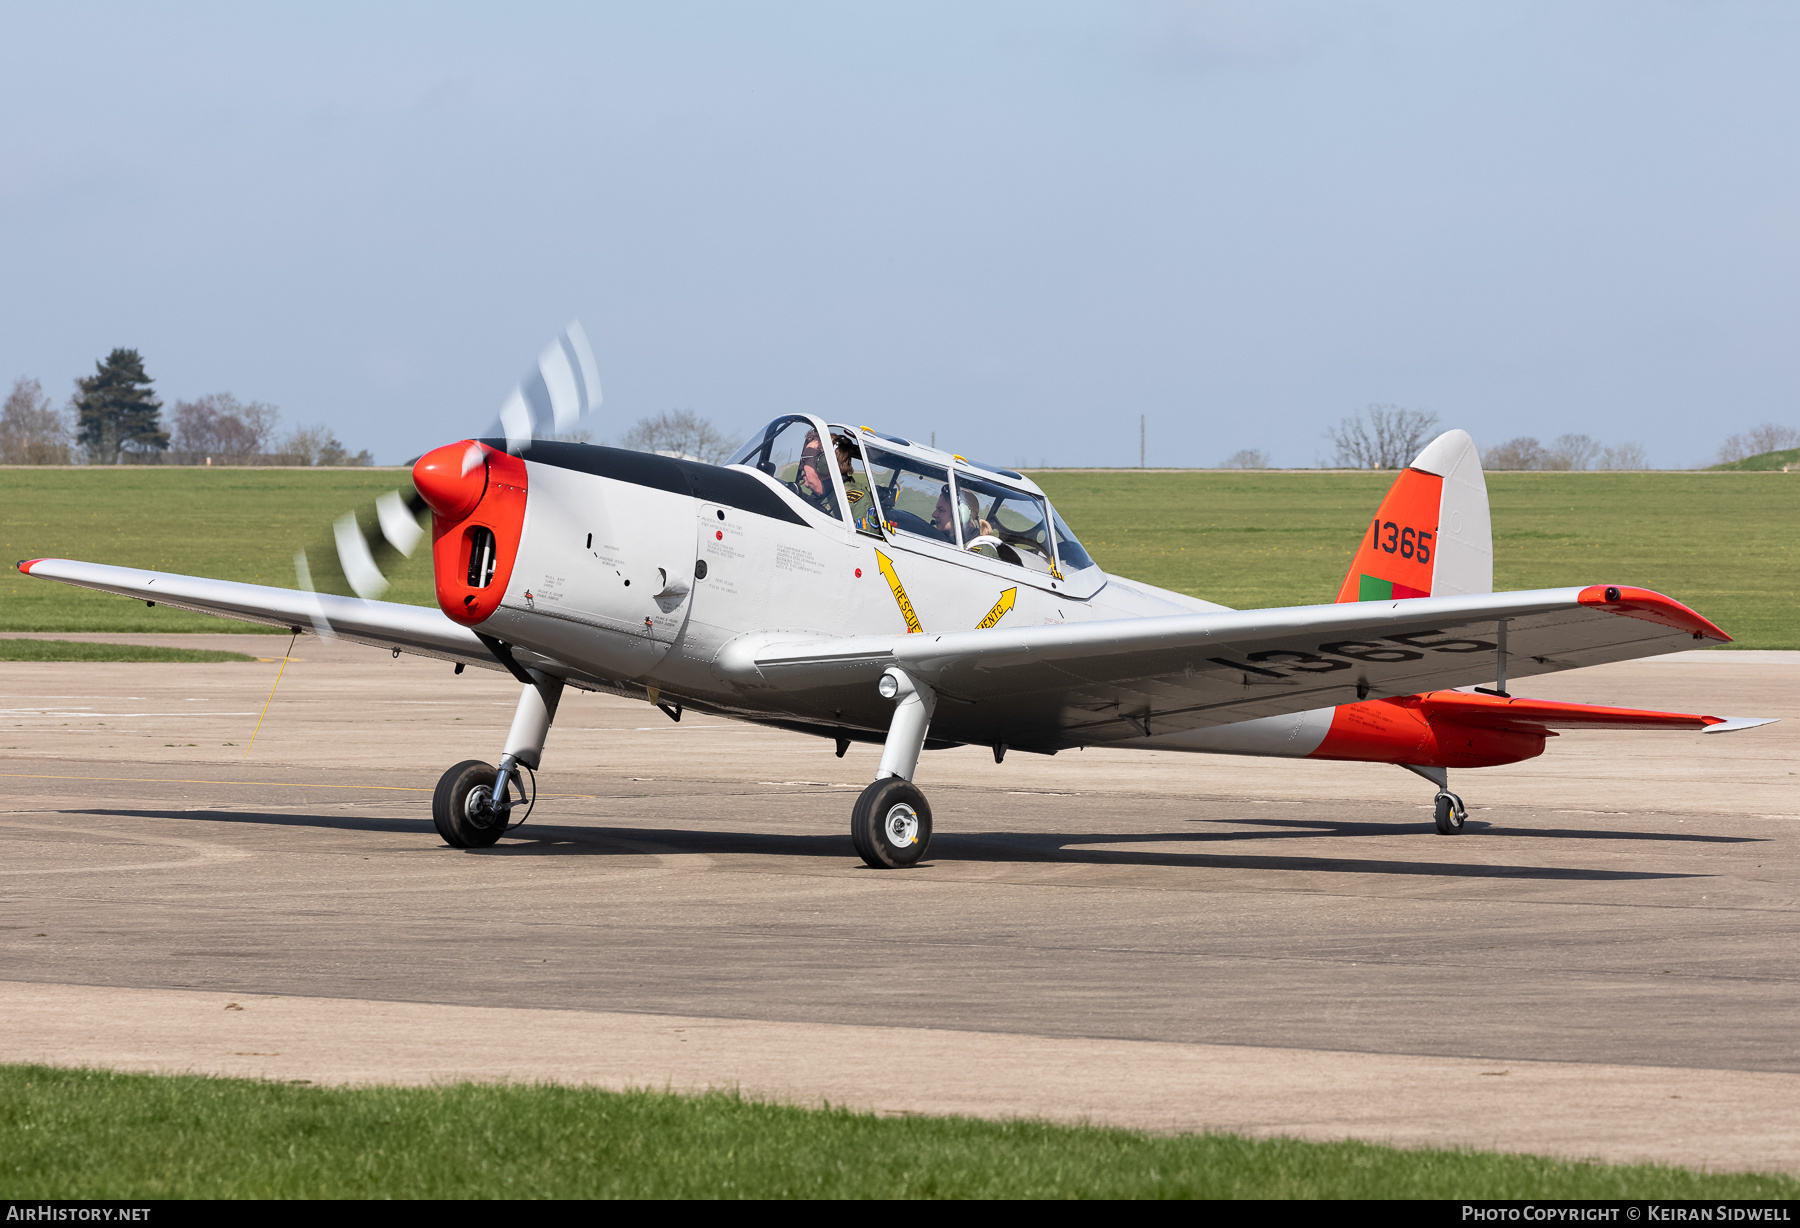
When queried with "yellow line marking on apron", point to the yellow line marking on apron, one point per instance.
{"points": [[271, 699]]}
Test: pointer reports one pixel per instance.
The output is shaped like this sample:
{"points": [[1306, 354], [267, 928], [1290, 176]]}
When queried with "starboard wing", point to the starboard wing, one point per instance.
{"points": [[385, 624]]}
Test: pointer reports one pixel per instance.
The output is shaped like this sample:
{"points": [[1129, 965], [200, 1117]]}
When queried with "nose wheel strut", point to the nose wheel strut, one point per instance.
{"points": [[476, 803]]}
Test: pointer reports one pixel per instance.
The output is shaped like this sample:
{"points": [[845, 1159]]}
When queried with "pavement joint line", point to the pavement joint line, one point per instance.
{"points": [[273, 784], [952, 1028]]}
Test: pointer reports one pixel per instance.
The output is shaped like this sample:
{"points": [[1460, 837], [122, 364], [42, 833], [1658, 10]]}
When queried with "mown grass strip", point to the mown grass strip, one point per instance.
{"points": [[1723, 543], [79, 650], [88, 1134], [231, 524]]}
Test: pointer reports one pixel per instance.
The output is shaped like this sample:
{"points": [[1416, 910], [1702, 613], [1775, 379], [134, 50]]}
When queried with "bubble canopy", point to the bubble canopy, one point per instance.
{"points": [[887, 486]]}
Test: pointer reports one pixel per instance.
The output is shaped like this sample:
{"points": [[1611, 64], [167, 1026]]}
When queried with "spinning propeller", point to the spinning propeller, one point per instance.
{"points": [[550, 399]]}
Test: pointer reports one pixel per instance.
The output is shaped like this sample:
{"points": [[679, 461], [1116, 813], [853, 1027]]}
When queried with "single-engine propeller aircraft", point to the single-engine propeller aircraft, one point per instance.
{"points": [[838, 581]]}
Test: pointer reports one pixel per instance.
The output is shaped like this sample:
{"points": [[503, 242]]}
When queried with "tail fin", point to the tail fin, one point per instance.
{"points": [[1430, 537]]}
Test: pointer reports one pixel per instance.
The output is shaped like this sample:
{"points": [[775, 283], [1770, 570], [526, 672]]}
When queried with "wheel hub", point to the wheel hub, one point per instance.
{"points": [[479, 806], [902, 826]]}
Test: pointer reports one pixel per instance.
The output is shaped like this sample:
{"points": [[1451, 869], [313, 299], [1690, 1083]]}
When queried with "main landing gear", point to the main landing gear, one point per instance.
{"points": [[475, 802], [1448, 808], [891, 824]]}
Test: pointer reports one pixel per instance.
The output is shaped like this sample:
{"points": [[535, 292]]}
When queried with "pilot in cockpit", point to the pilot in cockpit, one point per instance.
{"points": [[812, 481]]}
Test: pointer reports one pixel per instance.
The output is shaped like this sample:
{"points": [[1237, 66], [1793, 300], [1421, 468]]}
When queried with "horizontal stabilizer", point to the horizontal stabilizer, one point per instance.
{"points": [[1499, 712], [1731, 724]]}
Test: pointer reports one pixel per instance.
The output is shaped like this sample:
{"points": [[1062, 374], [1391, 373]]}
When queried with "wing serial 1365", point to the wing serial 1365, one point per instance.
{"points": [[862, 587]]}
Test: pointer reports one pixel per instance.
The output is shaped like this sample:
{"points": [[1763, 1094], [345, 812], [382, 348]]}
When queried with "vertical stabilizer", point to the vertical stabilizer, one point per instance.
{"points": [[1430, 537]]}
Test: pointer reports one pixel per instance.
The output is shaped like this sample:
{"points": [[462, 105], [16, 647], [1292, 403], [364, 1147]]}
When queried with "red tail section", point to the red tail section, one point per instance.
{"points": [[1395, 558], [1430, 537]]}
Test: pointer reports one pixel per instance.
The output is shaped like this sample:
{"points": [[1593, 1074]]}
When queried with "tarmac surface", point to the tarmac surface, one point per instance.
{"points": [[1603, 965]]}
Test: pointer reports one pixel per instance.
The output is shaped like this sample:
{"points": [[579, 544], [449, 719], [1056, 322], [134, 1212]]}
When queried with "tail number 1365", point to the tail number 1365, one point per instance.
{"points": [[1407, 542]]}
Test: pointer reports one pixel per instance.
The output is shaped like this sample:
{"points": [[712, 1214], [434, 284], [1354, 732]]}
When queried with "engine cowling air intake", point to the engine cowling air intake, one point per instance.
{"points": [[477, 498]]}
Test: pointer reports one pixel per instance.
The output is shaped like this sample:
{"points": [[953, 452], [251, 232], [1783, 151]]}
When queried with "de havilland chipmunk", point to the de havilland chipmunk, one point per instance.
{"points": [[838, 581]]}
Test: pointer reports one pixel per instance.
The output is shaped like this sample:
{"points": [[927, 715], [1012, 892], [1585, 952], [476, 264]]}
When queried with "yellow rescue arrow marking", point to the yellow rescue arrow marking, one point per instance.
{"points": [[900, 597], [1000, 608]]}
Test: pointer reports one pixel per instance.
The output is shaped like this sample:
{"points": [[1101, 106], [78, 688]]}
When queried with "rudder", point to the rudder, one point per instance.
{"points": [[1431, 536]]}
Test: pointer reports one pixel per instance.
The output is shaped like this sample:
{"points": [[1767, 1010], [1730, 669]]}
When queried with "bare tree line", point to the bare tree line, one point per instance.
{"points": [[220, 430], [1389, 436], [217, 429], [680, 433], [1769, 437], [1567, 452], [33, 431]]}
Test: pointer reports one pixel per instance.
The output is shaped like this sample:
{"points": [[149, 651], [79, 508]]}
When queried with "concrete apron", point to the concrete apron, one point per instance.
{"points": [[1718, 1120]]}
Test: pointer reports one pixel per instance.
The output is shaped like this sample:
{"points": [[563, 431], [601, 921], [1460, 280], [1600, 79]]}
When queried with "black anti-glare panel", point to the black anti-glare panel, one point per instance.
{"points": [[708, 483]]}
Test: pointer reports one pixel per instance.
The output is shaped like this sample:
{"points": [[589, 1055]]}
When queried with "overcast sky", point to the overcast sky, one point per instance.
{"points": [[1016, 225]]}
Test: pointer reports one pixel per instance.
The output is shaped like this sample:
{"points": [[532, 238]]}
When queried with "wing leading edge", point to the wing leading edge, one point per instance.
{"points": [[383, 624]]}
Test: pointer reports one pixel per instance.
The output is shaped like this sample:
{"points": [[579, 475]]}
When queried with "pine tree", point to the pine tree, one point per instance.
{"points": [[118, 417]]}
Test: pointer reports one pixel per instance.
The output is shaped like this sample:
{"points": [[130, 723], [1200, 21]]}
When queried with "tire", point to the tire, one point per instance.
{"points": [[891, 825], [1449, 814], [450, 806]]}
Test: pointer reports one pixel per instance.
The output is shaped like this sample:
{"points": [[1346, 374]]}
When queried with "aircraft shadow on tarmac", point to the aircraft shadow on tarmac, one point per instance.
{"points": [[540, 840], [1326, 827]]}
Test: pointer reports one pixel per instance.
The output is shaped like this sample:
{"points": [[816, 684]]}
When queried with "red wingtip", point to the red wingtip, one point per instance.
{"points": [[25, 565], [1652, 608]]}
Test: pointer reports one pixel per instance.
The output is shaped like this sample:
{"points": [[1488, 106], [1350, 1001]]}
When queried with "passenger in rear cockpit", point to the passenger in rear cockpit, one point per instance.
{"points": [[973, 525]]}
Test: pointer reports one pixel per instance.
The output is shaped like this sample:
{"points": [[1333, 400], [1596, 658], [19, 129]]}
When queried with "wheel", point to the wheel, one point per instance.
{"points": [[1450, 814], [891, 825], [461, 807]]}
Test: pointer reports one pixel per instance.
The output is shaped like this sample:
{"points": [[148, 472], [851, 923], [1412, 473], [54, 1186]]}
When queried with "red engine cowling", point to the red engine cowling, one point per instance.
{"points": [[477, 499]]}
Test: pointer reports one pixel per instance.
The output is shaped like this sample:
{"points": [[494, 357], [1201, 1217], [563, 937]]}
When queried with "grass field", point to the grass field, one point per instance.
{"points": [[74, 650], [233, 524], [1788, 457], [85, 1134], [1722, 542]]}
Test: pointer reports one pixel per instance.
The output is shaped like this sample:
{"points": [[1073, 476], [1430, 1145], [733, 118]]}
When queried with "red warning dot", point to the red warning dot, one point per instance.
{"points": [[719, 535], [859, 573]]}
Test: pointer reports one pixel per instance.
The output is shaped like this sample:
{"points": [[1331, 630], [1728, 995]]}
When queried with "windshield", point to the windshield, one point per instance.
{"points": [[790, 451], [1069, 552]]}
